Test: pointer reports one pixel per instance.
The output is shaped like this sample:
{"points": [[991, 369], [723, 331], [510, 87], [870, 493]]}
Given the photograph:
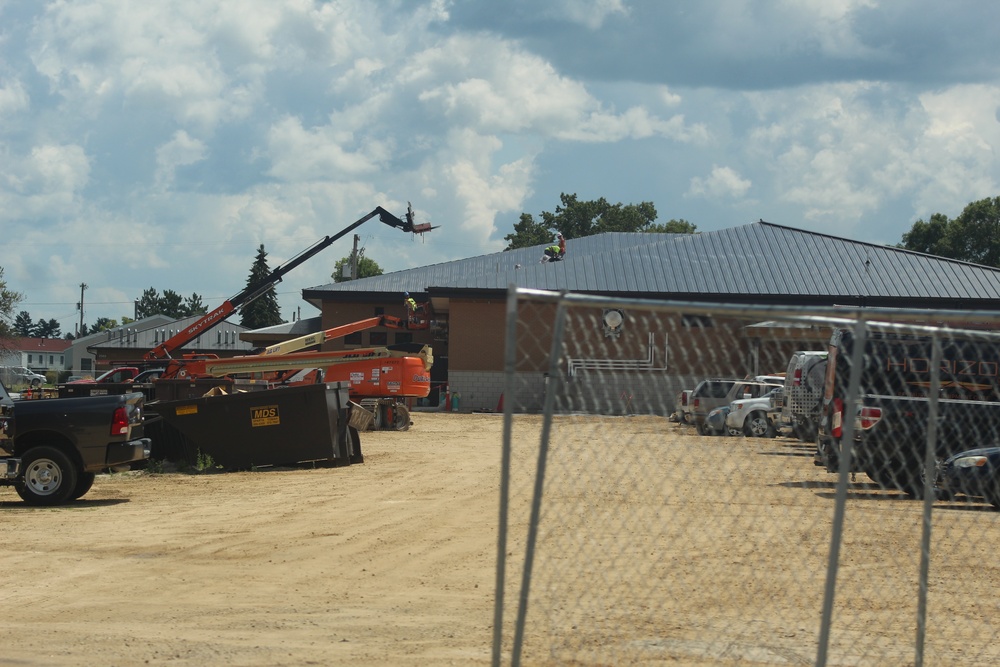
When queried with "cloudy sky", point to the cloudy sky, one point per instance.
{"points": [[157, 144]]}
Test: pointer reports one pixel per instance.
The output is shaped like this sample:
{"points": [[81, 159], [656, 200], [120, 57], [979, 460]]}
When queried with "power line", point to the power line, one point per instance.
{"points": [[120, 303]]}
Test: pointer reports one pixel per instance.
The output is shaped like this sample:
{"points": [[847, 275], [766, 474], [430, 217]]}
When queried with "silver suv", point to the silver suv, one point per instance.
{"points": [[715, 393], [17, 376]]}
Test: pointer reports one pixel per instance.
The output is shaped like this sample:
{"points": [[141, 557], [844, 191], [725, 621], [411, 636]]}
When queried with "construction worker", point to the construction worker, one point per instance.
{"points": [[554, 253], [411, 305]]}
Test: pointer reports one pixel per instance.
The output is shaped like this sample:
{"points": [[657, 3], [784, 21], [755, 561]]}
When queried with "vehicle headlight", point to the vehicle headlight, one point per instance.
{"points": [[970, 462]]}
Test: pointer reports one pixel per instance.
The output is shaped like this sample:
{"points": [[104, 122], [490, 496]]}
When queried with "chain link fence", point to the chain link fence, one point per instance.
{"points": [[640, 528]]}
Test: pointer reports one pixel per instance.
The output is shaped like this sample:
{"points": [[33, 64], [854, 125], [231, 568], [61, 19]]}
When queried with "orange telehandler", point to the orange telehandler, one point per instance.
{"points": [[381, 375]]}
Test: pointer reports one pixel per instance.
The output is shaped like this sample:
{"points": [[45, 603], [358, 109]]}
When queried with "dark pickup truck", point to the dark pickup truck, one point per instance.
{"points": [[51, 449], [893, 412]]}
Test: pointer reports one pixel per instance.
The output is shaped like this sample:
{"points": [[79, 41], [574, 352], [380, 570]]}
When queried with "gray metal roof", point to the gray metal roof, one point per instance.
{"points": [[299, 327], [223, 337], [754, 260]]}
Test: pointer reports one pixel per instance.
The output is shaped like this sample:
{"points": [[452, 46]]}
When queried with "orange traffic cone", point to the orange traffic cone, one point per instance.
{"points": [[500, 403]]}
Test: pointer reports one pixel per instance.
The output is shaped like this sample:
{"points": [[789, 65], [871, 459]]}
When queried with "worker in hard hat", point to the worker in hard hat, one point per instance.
{"points": [[416, 313], [556, 252], [411, 304]]}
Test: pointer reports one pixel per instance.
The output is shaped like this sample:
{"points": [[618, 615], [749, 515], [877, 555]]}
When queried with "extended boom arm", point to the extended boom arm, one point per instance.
{"points": [[164, 349]]}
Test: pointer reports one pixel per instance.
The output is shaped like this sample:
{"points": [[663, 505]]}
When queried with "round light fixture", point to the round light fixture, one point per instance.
{"points": [[613, 318]]}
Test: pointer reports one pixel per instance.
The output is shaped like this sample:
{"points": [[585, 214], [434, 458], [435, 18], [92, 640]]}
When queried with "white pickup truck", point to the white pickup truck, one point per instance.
{"points": [[751, 416]]}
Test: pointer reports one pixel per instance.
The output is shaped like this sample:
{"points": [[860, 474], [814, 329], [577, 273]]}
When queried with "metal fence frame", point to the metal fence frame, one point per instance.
{"points": [[858, 320]]}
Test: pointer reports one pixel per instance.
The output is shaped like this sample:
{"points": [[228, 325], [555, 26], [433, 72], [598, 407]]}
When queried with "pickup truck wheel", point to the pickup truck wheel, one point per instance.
{"points": [[905, 476], [49, 477], [909, 478], [83, 484], [757, 426], [880, 477]]}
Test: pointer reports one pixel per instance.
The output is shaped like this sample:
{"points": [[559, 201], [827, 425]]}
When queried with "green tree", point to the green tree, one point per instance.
{"points": [[528, 233], [367, 268], [47, 329], [928, 237], [575, 219], [23, 326], [8, 302], [681, 226], [148, 304], [974, 236], [170, 303], [103, 324], [193, 305], [262, 311]]}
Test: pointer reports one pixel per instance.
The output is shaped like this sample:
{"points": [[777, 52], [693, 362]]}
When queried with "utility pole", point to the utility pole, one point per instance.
{"points": [[354, 258], [83, 286]]}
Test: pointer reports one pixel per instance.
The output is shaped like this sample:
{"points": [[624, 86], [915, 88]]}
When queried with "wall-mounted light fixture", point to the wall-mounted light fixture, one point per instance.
{"points": [[612, 321]]}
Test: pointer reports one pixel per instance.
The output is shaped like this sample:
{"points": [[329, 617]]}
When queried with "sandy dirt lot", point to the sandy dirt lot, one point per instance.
{"points": [[393, 562]]}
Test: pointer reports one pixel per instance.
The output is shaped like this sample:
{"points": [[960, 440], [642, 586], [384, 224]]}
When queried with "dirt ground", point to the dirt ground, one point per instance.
{"points": [[393, 561]]}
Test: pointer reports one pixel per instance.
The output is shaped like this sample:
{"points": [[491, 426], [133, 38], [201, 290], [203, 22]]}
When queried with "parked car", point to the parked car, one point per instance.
{"points": [[706, 396], [736, 389], [803, 393], [749, 416], [683, 407], [775, 411], [975, 472], [17, 376], [716, 421]]}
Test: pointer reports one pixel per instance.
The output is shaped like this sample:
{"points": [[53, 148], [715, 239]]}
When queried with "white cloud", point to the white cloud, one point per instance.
{"points": [[204, 63], [44, 183], [668, 97], [13, 97], [482, 190], [327, 152], [722, 182], [840, 153], [488, 84], [491, 86], [180, 151], [588, 13], [956, 153]]}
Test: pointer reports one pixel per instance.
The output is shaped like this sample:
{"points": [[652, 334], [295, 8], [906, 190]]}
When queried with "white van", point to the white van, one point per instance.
{"points": [[803, 394]]}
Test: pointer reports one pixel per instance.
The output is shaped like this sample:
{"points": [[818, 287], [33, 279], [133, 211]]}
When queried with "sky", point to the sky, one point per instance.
{"points": [[158, 144]]}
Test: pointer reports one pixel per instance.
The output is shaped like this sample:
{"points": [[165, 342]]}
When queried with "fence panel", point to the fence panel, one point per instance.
{"points": [[631, 536]]}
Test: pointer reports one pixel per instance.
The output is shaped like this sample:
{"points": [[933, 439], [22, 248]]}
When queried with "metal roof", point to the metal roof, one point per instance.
{"points": [[756, 260], [223, 337]]}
